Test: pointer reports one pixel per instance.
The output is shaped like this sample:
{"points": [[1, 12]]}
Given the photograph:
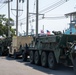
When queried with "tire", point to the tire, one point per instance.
{"points": [[74, 65], [24, 56], [36, 58], [15, 56], [31, 57], [44, 59], [1, 53], [51, 61], [9, 55]]}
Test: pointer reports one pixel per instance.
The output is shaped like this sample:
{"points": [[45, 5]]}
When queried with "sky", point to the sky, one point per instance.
{"points": [[51, 24]]}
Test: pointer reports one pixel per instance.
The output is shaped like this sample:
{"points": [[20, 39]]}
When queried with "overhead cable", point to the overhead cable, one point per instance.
{"points": [[55, 18], [2, 6], [54, 6]]}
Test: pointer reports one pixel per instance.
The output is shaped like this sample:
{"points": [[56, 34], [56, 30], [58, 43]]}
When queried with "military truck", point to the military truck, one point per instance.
{"points": [[4, 44], [18, 45], [54, 49]]}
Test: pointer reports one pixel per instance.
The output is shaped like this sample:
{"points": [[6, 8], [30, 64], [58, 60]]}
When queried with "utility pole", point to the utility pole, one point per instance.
{"points": [[17, 14], [36, 18], [27, 17], [17, 19], [8, 18]]}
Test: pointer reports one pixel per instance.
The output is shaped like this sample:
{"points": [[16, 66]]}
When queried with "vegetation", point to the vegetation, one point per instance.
{"points": [[4, 26]]}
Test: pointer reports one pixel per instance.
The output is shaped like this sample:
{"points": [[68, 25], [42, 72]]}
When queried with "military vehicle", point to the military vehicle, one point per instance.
{"points": [[54, 49], [18, 46], [4, 44]]}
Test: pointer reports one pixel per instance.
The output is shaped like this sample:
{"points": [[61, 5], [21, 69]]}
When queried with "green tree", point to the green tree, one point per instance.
{"points": [[4, 26], [1, 29]]}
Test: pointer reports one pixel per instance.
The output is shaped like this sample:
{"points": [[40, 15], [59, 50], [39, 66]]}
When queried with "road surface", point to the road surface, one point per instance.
{"points": [[9, 66]]}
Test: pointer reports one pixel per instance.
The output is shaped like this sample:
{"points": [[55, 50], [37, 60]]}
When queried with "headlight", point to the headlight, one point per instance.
{"points": [[75, 47], [8, 47]]}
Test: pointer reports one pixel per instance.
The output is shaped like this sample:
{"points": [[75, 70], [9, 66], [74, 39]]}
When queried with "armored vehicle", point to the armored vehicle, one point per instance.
{"points": [[18, 45], [4, 44], [54, 49]]}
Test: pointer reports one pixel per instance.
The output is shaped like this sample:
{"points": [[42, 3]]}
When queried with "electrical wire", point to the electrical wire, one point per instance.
{"points": [[58, 17], [33, 9], [12, 11], [2, 6], [54, 6], [1, 1], [59, 3], [22, 19], [52, 18], [15, 14], [21, 11], [55, 18], [50, 6]]}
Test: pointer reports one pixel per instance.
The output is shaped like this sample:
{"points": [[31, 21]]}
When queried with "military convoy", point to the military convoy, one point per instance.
{"points": [[54, 49], [45, 50]]}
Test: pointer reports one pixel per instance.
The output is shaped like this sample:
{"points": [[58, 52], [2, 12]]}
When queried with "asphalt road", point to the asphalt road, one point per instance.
{"points": [[9, 66]]}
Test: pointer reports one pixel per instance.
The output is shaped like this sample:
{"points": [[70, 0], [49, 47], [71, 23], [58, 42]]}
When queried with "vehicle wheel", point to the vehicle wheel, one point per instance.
{"points": [[36, 58], [15, 56], [31, 57], [44, 59], [6, 52], [1, 53], [74, 65], [9, 55], [51, 61], [24, 56]]}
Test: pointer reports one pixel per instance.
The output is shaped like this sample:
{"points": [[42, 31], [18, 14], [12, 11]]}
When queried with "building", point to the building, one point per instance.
{"points": [[72, 25]]}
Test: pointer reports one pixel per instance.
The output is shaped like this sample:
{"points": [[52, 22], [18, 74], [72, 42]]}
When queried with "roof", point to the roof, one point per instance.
{"points": [[69, 14]]}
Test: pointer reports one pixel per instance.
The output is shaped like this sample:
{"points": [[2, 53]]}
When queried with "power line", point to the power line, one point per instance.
{"points": [[18, 8], [59, 3], [12, 11], [1, 1], [50, 6], [34, 8], [21, 8], [2, 6], [55, 18], [58, 17], [21, 19], [54, 6]]}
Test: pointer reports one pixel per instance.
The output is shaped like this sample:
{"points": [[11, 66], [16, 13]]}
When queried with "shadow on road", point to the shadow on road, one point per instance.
{"points": [[11, 58], [19, 59], [61, 70]]}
